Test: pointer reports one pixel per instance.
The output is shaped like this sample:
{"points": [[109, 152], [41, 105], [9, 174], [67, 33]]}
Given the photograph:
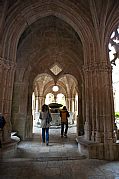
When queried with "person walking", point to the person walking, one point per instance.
{"points": [[46, 118], [64, 114]]}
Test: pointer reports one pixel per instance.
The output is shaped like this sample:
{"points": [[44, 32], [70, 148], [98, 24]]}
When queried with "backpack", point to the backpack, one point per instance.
{"points": [[64, 115]]}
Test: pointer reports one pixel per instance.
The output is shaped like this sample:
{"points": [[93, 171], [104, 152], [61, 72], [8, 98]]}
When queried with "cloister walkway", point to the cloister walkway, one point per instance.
{"points": [[60, 159]]}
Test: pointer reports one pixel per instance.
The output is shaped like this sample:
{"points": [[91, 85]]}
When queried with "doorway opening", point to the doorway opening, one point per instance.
{"points": [[66, 95]]}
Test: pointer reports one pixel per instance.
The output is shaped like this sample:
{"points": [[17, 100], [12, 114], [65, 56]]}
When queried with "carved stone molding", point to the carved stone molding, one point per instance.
{"points": [[97, 67], [7, 64]]}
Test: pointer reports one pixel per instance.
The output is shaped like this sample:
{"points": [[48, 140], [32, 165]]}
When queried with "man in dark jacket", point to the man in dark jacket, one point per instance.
{"points": [[64, 114]]}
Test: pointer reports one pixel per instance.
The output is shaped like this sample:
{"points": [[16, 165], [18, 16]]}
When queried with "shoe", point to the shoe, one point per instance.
{"points": [[61, 136], [47, 143], [65, 135]]}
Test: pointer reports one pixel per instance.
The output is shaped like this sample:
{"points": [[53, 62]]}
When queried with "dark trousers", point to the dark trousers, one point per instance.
{"points": [[45, 135], [63, 124]]}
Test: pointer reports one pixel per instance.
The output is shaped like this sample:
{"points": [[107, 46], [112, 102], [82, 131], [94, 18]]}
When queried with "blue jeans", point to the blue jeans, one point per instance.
{"points": [[45, 132]]}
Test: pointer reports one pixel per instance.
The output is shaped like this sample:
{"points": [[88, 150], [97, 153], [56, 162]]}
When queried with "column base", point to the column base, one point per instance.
{"points": [[8, 149]]}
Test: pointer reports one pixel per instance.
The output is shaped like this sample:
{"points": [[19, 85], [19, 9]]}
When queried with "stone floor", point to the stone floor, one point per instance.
{"points": [[60, 159]]}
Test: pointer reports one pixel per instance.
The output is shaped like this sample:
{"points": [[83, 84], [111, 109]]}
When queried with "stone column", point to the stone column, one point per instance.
{"points": [[6, 82], [40, 102], [99, 103], [29, 119], [67, 103], [20, 103], [74, 108], [73, 104], [80, 123], [3, 12], [36, 104], [88, 104], [108, 106], [70, 104], [98, 95]]}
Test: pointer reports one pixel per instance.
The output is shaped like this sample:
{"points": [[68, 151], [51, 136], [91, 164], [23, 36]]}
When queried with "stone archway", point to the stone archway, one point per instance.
{"points": [[80, 41], [67, 85], [46, 44], [20, 22]]}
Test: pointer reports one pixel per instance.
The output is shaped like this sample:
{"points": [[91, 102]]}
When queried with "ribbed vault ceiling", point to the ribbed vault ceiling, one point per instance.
{"points": [[43, 85], [47, 42]]}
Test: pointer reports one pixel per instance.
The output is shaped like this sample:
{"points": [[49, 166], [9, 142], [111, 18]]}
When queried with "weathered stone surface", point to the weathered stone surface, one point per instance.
{"points": [[34, 36]]}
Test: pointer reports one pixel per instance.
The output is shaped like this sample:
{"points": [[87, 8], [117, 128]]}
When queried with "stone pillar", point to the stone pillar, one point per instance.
{"points": [[73, 104], [36, 104], [70, 104], [80, 123], [98, 103], [109, 117], [40, 103], [67, 103], [20, 103], [6, 83], [98, 134], [88, 104], [19, 107], [29, 119], [3, 12]]}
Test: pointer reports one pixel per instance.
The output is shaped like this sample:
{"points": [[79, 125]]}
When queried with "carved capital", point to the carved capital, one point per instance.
{"points": [[7, 64], [99, 67]]}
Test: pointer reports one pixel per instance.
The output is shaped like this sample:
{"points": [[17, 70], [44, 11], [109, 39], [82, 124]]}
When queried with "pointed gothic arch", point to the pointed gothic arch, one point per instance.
{"points": [[92, 28]]}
